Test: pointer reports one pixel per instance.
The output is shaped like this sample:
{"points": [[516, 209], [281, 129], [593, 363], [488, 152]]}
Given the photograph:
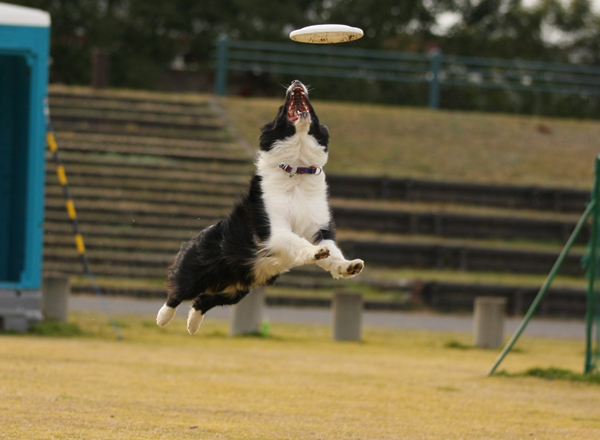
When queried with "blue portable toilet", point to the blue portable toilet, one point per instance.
{"points": [[24, 47]]}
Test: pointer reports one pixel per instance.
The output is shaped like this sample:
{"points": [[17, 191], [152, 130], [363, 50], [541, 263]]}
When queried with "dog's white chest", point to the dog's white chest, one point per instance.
{"points": [[298, 203], [308, 207]]}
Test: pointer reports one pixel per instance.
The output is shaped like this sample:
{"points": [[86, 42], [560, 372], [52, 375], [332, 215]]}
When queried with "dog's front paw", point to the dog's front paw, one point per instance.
{"points": [[355, 267], [312, 254], [322, 252], [349, 269]]}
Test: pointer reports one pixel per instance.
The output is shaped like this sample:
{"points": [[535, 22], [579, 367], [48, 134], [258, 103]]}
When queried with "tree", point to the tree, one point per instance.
{"points": [[144, 36]]}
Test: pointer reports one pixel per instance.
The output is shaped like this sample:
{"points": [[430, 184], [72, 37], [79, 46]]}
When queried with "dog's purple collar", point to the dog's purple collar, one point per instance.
{"points": [[292, 171]]}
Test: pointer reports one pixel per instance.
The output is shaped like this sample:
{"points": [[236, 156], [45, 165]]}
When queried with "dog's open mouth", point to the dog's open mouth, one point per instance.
{"points": [[298, 106]]}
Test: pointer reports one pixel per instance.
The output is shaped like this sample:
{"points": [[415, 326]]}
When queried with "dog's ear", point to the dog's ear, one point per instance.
{"points": [[279, 129], [320, 133]]}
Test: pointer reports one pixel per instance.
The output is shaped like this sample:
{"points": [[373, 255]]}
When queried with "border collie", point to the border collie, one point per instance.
{"points": [[284, 221]]}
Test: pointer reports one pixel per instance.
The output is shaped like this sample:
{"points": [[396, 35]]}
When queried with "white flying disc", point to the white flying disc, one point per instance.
{"points": [[326, 34]]}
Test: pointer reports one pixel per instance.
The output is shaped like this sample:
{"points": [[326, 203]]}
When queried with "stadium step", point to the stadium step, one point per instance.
{"points": [[148, 170]]}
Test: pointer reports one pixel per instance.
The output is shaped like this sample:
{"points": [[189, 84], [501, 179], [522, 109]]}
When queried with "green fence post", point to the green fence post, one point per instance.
{"points": [[221, 66], [559, 261], [589, 315], [433, 76]]}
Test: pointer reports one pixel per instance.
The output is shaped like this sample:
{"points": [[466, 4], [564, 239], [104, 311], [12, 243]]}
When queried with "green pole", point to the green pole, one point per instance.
{"points": [[589, 316], [545, 286], [221, 66], [434, 83]]}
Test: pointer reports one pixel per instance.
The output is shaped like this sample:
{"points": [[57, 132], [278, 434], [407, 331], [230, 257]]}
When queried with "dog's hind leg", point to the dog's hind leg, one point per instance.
{"points": [[175, 296], [184, 281], [195, 319], [167, 311], [207, 301]]}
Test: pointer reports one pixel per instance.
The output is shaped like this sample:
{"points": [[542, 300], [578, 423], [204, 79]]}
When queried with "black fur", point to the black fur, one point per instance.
{"points": [[221, 256], [319, 132], [280, 128]]}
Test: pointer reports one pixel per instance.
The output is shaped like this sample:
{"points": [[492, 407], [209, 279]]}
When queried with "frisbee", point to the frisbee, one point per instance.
{"points": [[326, 34]]}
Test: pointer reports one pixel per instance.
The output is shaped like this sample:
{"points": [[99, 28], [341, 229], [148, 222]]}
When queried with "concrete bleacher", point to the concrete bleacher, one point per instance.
{"points": [[144, 174], [148, 170]]}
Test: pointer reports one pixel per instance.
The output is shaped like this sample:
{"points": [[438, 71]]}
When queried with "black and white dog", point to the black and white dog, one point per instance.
{"points": [[284, 221]]}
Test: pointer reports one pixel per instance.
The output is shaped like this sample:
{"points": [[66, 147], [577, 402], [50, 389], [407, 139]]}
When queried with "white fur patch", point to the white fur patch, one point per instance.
{"points": [[194, 321], [165, 315], [267, 267]]}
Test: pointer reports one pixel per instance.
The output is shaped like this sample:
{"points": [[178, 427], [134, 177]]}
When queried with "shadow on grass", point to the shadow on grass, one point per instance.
{"points": [[49, 328], [553, 373], [56, 329], [215, 334], [460, 346], [260, 335]]}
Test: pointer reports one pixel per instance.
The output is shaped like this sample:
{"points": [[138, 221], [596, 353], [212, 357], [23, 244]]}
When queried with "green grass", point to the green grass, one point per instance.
{"points": [[441, 145], [53, 328], [161, 383], [553, 373]]}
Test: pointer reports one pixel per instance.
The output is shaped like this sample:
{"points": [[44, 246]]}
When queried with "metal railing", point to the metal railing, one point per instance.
{"points": [[435, 69], [592, 353]]}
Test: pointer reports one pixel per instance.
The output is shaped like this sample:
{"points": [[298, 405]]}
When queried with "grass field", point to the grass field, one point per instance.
{"points": [[296, 384], [442, 145]]}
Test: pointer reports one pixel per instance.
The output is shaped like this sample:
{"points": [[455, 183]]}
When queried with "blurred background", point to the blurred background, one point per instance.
{"points": [[464, 135], [170, 45]]}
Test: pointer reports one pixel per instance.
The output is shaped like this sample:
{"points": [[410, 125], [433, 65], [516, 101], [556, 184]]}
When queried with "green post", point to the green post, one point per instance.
{"points": [[221, 66], [589, 316], [433, 77], [591, 207]]}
